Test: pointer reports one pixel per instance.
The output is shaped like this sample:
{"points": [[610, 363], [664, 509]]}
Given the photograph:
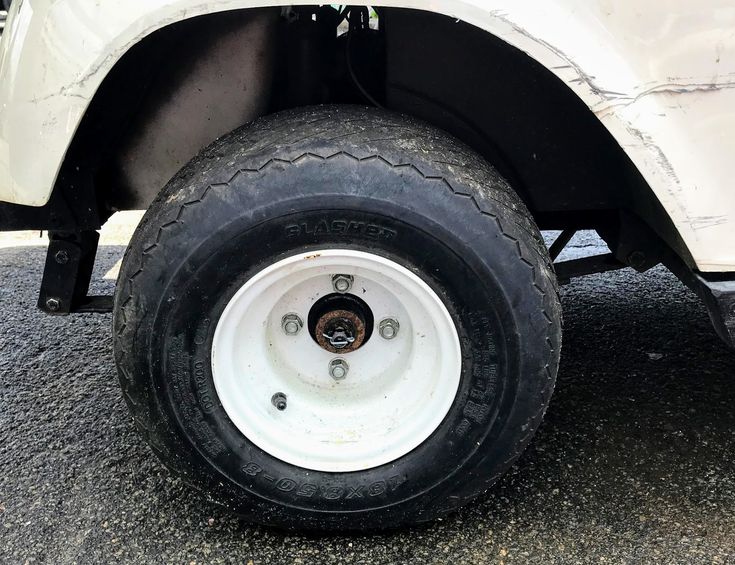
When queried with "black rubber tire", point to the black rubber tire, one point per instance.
{"points": [[294, 181]]}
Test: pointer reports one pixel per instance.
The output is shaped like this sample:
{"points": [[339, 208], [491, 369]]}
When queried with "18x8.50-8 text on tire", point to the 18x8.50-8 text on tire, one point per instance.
{"points": [[337, 318]]}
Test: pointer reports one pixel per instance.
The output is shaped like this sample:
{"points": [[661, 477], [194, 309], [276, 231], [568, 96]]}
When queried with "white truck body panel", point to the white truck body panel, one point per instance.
{"points": [[659, 75]]}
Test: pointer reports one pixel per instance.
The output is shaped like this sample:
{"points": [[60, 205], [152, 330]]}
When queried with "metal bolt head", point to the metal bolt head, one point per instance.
{"points": [[637, 259], [338, 369], [279, 401], [53, 304], [388, 328], [62, 257], [291, 324], [342, 283]]}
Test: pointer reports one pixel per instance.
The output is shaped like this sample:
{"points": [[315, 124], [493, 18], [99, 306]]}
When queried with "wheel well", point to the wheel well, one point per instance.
{"points": [[190, 82]]}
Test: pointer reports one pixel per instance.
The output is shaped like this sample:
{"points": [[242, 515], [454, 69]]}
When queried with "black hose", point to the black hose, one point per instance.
{"points": [[361, 22]]}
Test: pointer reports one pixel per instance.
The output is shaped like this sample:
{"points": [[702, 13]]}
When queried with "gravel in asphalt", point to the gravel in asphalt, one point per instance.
{"points": [[633, 462]]}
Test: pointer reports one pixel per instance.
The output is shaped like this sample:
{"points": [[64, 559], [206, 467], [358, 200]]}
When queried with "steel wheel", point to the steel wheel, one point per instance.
{"points": [[387, 396]]}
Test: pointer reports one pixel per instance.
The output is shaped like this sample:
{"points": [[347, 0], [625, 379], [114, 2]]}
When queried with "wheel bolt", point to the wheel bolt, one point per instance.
{"points": [[342, 283], [338, 369], [62, 257], [388, 328], [291, 324], [279, 401]]}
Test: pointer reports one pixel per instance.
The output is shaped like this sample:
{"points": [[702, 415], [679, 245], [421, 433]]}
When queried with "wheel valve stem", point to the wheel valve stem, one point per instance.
{"points": [[279, 401]]}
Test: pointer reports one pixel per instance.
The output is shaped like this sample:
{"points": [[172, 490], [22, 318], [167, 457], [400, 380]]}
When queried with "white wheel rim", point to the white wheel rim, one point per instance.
{"points": [[397, 391]]}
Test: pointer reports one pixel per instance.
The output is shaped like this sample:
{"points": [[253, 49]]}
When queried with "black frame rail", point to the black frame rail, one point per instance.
{"points": [[67, 274]]}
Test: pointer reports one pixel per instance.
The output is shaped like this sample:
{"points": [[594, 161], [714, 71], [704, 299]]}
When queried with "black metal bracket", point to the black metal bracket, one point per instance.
{"points": [[716, 290], [66, 276], [560, 243], [568, 270], [718, 294]]}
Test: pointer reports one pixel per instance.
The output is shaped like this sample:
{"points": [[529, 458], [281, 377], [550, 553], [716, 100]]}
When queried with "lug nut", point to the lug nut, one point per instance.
{"points": [[279, 401], [388, 328], [291, 324], [338, 369], [342, 283]]}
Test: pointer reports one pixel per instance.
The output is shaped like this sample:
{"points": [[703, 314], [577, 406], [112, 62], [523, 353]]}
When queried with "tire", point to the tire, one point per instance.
{"points": [[311, 184]]}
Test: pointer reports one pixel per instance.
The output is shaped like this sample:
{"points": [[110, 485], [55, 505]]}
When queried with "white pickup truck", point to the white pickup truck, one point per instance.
{"points": [[338, 311]]}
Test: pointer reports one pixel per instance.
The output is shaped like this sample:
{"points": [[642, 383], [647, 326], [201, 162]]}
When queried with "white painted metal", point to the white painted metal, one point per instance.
{"points": [[395, 394], [659, 75]]}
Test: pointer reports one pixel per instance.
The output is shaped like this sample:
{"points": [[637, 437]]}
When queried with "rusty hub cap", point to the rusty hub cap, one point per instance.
{"points": [[340, 331], [340, 323]]}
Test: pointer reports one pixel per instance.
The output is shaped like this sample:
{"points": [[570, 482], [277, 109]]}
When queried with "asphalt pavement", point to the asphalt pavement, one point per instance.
{"points": [[633, 463]]}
